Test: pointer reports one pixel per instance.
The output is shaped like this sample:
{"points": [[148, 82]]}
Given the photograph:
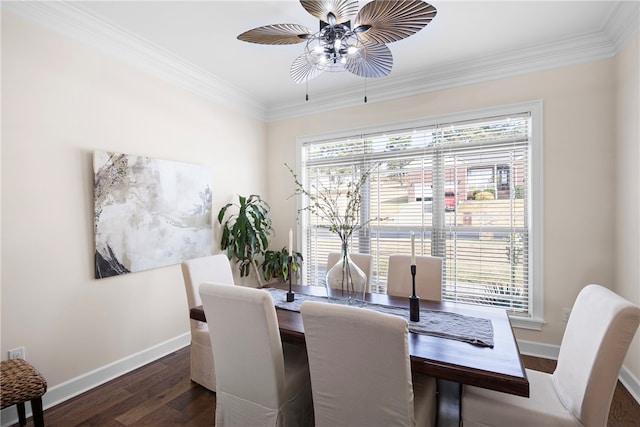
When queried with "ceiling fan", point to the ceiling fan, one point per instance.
{"points": [[348, 39]]}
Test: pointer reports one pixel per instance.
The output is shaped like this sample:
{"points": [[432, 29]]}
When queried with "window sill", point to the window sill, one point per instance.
{"points": [[526, 323]]}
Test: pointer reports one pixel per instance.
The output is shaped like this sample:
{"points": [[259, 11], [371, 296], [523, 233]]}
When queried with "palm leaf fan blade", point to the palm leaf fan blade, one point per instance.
{"points": [[302, 70], [391, 21], [278, 34], [375, 60], [343, 10]]}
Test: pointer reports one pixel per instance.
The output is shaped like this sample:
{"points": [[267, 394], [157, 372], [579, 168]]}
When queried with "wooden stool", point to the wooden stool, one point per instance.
{"points": [[19, 382]]}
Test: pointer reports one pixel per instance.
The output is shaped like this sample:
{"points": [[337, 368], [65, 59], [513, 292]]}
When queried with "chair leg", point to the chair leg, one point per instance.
{"points": [[36, 408], [22, 419]]}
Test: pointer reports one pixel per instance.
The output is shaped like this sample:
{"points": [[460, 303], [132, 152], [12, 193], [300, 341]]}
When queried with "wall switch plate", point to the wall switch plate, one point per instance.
{"points": [[565, 314], [16, 353]]}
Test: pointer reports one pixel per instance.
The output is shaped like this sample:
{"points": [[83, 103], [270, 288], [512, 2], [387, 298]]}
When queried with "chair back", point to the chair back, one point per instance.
{"points": [[215, 268], [212, 268], [363, 261], [598, 334], [246, 345], [353, 382], [428, 276]]}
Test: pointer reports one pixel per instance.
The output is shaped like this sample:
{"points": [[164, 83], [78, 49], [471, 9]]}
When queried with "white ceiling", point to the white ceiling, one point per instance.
{"points": [[466, 41]]}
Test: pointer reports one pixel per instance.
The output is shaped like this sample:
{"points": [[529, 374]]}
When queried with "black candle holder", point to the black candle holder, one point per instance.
{"points": [[414, 301], [290, 295]]}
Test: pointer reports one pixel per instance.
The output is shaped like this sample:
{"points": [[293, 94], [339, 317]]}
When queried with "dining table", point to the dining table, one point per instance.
{"points": [[494, 365]]}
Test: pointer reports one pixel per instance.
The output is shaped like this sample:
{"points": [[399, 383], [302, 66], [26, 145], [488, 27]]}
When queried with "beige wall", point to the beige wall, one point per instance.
{"points": [[627, 207], [579, 169], [61, 100]]}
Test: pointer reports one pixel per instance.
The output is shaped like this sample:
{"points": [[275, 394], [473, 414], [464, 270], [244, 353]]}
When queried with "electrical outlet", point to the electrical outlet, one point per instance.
{"points": [[565, 314], [16, 353]]}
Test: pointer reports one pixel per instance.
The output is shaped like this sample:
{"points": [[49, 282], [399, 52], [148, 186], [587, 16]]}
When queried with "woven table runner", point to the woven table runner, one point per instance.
{"points": [[473, 330]]}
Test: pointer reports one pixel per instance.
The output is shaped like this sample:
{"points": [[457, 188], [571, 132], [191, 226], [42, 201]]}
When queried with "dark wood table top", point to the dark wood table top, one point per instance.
{"points": [[499, 368]]}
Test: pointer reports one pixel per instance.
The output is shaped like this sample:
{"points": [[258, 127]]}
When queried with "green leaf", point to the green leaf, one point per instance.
{"points": [[246, 232]]}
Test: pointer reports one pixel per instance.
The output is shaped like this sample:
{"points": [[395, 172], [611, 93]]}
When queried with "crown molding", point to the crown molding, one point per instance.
{"points": [[79, 24], [560, 54], [622, 24]]}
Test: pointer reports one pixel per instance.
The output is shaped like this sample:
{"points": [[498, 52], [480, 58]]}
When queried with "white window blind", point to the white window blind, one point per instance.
{"points": [[463, 188]]}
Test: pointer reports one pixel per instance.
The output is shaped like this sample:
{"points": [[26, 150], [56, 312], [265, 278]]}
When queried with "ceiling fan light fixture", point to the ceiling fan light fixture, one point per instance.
{"points": [[336, 46]]}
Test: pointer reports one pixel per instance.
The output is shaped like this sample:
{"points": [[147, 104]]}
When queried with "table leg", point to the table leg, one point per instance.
{"points": [[449, 397]]}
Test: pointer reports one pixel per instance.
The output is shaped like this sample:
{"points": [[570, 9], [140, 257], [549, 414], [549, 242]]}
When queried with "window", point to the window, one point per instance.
{"points": [[469, 187]]}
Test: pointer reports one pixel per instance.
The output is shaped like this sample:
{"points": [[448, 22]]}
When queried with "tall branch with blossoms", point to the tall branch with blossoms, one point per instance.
{"points": [[324, 203]]}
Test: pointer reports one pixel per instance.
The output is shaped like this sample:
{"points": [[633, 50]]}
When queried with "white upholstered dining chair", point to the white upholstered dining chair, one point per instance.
{"points": [[260, 381], [212, 268], [579, 392], [428, 276], [363, 261], [361, 371]]}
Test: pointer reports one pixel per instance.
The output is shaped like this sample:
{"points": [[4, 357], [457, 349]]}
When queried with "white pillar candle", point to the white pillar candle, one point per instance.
{"points": [[290, 242], [413, 248]]}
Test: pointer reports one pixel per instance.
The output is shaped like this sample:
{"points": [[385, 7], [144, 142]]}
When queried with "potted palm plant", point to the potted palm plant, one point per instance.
{"points": [[246, 229], [276, 265]]}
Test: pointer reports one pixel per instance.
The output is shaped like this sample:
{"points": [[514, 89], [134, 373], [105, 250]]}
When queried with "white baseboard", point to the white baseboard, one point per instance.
{"points": [[65, 391], [530, 348]]}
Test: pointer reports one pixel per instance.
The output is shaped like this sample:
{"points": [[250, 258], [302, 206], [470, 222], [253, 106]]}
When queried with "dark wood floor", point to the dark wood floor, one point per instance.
{"points": [[161, 394]]}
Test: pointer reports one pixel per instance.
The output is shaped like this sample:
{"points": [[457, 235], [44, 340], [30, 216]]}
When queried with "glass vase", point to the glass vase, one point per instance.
{"points": [[345, 282]]}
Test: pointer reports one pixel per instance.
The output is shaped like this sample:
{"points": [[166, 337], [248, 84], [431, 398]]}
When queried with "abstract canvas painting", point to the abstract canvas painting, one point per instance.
{"points": [[149, 213]]}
